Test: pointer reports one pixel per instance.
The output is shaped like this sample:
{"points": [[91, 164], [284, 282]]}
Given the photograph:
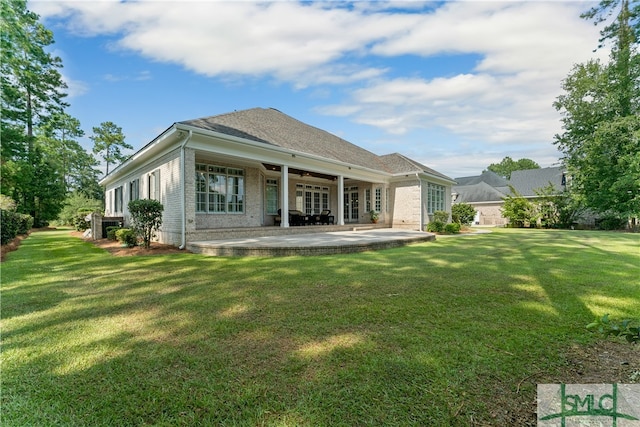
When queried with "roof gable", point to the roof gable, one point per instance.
{"points": [[270, 126], [397, 163]]}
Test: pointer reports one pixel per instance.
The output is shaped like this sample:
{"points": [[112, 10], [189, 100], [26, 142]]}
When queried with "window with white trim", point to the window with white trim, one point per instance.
{"points": [[134, 190], [272, 196], [378, 199], [435, 198], [367, 199], [153, 185], [219, 189], [118, 200]]}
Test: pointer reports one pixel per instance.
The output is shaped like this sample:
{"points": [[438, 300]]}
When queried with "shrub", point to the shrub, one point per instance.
{"points": [[435, 226], [441, 216], [146, 218], [12, 224], [518, 210], [611, 222], [127, 236], [452, 228], [111, 232], [463, 213]]}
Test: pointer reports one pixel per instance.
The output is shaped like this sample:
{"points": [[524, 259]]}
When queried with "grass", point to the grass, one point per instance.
{"points": [[428, 334]]}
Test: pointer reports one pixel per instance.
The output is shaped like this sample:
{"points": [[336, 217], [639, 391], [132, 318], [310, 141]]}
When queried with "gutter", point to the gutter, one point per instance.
{"points": [[183, 221]]}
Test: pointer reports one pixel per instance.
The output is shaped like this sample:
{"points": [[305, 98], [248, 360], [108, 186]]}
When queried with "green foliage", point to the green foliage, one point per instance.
{"points": [[508, 165], [374, 215], [146, 218], [611, 222], [76, 207], [108, 140], [436, 226], [452, 228], [441, 216], [12, 224], [519, 211], [127, 236], [111, 232], [628, 329], [7, 203], [463, 213], [58, 137], [600, 116], [558, 209]]}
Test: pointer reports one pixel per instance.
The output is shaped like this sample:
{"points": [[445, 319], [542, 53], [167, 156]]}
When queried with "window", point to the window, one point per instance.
{"points": [[312, 199], [219, 189], [272, 196], [153, 185], [134, 190], [378, 199], [435, 198], [386, 200], [118, 201], [367, 199]]}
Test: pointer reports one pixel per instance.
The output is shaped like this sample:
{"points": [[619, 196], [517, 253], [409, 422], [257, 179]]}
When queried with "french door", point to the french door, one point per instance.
{"points": [[351, 208]]}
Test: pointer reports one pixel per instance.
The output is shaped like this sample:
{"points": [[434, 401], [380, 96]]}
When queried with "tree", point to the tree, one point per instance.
{"points": [[32, 90], [558, 209], [108, 139], [518, 210], [146, 218], [508, 165], [600, 111], [58, 138], [463, 213], [32, 86]]}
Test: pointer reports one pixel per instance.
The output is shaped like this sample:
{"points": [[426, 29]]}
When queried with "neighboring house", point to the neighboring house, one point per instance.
{"points": [[487, 191], [238, 170]]}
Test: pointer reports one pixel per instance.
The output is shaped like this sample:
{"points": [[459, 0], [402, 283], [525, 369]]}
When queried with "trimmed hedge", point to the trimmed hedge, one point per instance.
{"points": [[127, 236], [13, 224]]}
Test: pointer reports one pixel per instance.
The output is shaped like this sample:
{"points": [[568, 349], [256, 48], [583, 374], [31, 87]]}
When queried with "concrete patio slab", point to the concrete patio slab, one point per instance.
{"points": [[339, 242]]}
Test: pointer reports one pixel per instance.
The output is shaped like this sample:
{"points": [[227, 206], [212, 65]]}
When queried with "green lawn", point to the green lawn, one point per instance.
{"points": [[428, 334]]}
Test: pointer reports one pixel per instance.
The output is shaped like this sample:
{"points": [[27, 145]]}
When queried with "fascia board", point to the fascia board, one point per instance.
{"points": [[432, 178], [156, 148], [243, 148]]}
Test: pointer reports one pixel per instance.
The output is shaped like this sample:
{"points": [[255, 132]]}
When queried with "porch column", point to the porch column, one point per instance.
{"points": [[284, 196], [340, 213]]}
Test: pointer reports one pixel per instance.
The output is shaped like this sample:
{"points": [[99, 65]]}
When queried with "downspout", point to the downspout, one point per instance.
{"points": [[183, 222]]}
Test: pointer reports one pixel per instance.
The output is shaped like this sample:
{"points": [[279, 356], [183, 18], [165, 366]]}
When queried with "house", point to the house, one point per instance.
{"points": [[245, 170], [486, 192]]}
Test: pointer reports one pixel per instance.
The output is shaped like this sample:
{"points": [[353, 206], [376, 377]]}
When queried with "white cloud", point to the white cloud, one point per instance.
{"points": [[525, 49]]}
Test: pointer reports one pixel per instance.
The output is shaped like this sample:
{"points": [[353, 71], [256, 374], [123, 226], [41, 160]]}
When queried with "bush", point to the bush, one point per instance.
{"points": [[611, 222], [463, 213], [441, 216], [435, 226], [127, 236], [453, 228], [111, 232], [76, 207], [146, 218], [12, 224]]}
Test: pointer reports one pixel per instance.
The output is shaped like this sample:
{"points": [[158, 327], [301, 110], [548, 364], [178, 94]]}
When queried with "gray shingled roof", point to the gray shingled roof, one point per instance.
{"points": [[398, 163], [526, 182], [480, 192], [489, 177], [490, 187], [270, 126]]}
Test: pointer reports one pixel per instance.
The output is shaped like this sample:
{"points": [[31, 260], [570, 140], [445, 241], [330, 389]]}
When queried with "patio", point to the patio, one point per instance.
{"points": [[349, 240]]}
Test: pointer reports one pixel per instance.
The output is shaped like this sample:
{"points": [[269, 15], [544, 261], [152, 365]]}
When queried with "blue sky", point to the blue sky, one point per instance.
{"points": [[454, 85]]}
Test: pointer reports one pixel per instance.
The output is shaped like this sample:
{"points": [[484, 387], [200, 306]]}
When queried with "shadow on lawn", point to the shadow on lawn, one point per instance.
{"points": [[441, 333]]}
